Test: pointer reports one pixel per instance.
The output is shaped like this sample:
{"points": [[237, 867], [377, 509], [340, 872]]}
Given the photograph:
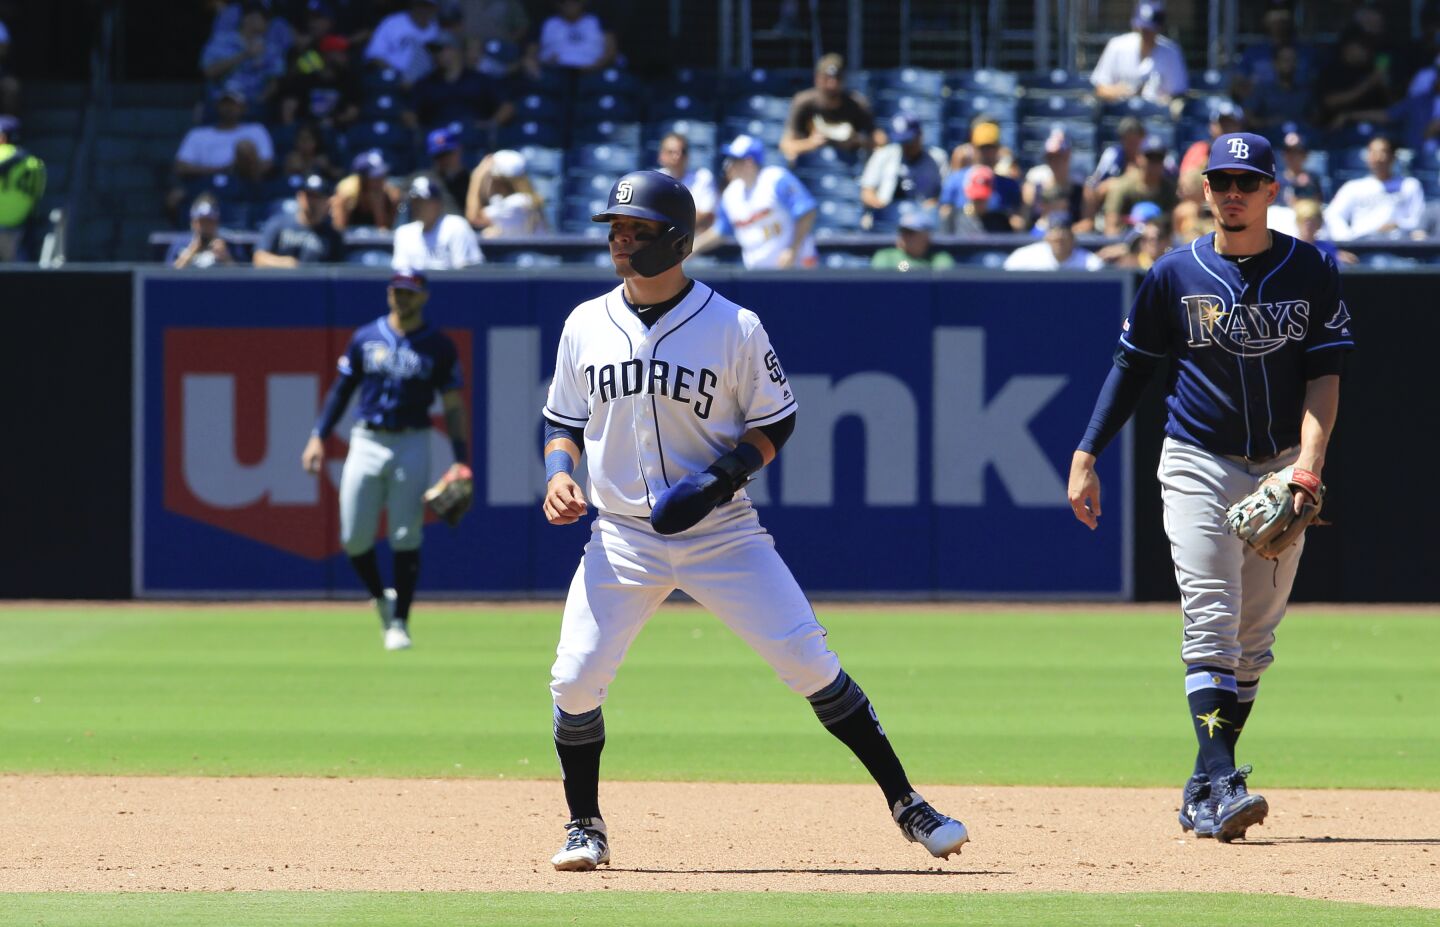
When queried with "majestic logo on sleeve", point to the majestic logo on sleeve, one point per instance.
{"points": [[1245, 330], [1340, 321]]}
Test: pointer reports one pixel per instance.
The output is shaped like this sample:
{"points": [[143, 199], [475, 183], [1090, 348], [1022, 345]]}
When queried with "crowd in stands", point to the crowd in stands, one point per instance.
{"points": [[22, 173], [451, 123]]}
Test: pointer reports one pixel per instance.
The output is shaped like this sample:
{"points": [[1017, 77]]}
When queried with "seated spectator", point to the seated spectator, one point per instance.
{"points": [[1192, 220], [1006, 202], [246, 58], [206, 247], [1283, 96], [1355, 87], [316, 23], [1309, 220], [974, 216], [571, 38], [307, 154], [1055, 179], [902, 175], [365, 198], [1142, 246], [305, 236], [675, 161], [447, 168], [229, 13], [434, 240], [1056, 252], [1147, 183], [328, 94], [243, 149], [399, 40], [22, 183], [502, 202], [912, 250], [496, 30], [1113, 162], [9, 85], [1259, 62], [1296, 182], [1226, 118], [767, 209], [1141, 63], [452, 94], [829, 114], [1381, 205], [1053, 202]]}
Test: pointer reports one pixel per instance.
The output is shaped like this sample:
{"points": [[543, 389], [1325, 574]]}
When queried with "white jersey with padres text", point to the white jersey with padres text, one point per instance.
{"points": [[659, 403]]}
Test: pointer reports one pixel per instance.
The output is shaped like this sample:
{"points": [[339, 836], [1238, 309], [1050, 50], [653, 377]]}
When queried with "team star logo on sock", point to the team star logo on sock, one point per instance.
{"points": [[1212, 720]]}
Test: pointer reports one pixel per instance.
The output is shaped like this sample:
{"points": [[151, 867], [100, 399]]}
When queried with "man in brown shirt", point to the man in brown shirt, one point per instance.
{"points": [[828, 114], [1148, 182]]}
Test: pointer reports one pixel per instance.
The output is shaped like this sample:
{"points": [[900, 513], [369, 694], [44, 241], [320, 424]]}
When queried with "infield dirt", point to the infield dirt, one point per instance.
{"points": [[71, 833]]}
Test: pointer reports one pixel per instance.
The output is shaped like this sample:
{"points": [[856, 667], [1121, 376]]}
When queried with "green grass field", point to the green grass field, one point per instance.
{"points": [[1010, 697]]}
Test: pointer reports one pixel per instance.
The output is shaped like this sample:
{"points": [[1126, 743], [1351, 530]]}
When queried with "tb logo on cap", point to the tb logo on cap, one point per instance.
{"points": [[1239, 149], [623, 192]]}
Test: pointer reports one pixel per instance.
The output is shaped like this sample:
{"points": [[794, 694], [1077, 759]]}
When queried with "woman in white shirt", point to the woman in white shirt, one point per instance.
{"points": [[501, 202]]}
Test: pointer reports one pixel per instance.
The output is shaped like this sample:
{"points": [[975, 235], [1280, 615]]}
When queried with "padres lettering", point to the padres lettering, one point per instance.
{"points": [[1247, 330], [663, 379]]}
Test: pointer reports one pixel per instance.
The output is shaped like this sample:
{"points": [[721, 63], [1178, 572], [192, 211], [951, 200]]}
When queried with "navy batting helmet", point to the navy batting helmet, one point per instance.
{"points": [[659, 198]]}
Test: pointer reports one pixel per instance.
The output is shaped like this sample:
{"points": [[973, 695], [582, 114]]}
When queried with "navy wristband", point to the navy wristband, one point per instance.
{"points": [[558, 461], [460, 450]]}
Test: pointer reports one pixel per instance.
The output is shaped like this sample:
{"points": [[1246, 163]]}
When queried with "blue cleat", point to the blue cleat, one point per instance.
{"points": [[1197, 808], [1236, 810]]}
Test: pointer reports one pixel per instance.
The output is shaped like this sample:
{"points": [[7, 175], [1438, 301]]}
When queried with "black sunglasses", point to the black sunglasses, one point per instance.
{"points": [[1246, 183]]}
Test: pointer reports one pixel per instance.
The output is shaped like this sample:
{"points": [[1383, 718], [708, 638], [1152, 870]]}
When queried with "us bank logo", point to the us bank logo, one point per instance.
{"points": [[239, 405]]}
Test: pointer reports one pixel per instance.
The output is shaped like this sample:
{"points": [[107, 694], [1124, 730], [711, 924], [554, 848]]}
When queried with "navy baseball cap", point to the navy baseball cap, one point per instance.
{"points": [[1148, 16], [423, 188], [441, 141], [10, 125], [317, 184], [412, 280], [904, 128], [917, 220], [1242, 151], [371, 163], [746, 146]]}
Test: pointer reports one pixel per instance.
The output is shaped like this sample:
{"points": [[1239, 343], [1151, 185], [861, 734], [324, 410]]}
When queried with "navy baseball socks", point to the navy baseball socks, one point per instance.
{"points": [[1215, 801], [578, 742], [368, 569], [407, 578]]}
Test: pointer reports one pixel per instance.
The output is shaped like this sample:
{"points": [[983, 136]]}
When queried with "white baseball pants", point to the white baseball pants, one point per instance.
{"points": [[384, 470]]}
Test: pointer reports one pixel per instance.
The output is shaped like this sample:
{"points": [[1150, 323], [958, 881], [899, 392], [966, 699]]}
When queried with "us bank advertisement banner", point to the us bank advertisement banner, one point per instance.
{"points": [[937, 416]]}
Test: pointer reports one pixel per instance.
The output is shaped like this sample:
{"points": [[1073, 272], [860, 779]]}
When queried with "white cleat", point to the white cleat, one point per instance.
{"points": [[587, 845], [385, 608], [396, 637], [922, 824]]}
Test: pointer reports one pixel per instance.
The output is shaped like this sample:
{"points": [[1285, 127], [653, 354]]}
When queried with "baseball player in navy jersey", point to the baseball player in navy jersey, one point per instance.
{"points": [[397, 363], [1257, 333], [676, 397]]}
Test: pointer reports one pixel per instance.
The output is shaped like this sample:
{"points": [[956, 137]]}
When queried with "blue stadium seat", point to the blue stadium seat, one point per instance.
{"points": [[536, 107], [533, 259], [759, 106], [1429, 181], [1033, 132], [968, 106], [699, 134], [609, 159], [588, 186], [1049, 105], [382, 134], [910, 81], [682, 106], [775, 83], [1135, 106], [383, 80], [840, 260], [609, 82], [825, 160], [611, 108], [383, 107], [767, 132], [983, 80], [1058, 80], [835, 186], [554, 82], [369, 257], [992, 260], [927, 109], [520, 134], [698, 83], [548, 188], [1209, 80], [624, 134], [840, 214], [543, 162]]}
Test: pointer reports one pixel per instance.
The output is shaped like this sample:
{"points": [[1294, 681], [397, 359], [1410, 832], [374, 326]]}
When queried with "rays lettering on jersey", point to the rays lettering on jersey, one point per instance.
{"points": [[1245, 330], [402, 362], [673, 381]]}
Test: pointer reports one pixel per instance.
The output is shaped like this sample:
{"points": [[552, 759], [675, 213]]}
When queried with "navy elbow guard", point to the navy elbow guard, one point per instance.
{"points": [[683, 505]]}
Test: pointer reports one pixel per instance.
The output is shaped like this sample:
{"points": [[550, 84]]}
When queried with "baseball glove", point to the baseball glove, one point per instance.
{"points": [[1266, 518], [451, 497]]}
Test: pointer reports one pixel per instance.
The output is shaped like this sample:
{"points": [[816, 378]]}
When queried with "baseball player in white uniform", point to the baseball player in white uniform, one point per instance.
{"points": [[677, 397], [767, 209]]}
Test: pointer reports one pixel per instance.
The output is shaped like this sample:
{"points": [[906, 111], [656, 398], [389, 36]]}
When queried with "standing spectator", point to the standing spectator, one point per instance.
{"points": [[1309, 220], [435, 240], [9, 85], [247, 58], [307, 154], [497, 30], [207, 247], [1355, 87], [1056, 179], [974, 216], [365, 198], [1379, 205], [329, 94], [1283, 96], [1296, 181], [766, 208], [1225, 118], [1148, 183], [22, 183], [242, 149], [502, 202], [399, 40], [1141, 63], [829, 114], [305, 237], [904, 173], [912, 250], [572, 39], [675, 161], [453, 94], [1006, 200], [447, 168], [1056, 252]]}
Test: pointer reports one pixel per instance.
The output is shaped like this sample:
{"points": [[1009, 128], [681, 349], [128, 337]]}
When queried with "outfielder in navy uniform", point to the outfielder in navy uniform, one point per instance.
{"points": [[397, 363], [676, 397], [1256, 331]]}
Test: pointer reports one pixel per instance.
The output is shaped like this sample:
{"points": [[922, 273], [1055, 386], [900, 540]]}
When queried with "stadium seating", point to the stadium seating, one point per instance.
{"points": [[621, 134]]}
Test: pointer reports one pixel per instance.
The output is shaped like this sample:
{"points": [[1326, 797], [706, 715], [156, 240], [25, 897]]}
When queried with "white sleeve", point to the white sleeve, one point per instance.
{"points": [[704, 191], [764, 394], [1104, 72], [870, 176], [407, 257], [264, 146], [1177, 80], [568, 401], [1410, 207], [380, 41], [1337, 217], [464, 246], [190, 148]]}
